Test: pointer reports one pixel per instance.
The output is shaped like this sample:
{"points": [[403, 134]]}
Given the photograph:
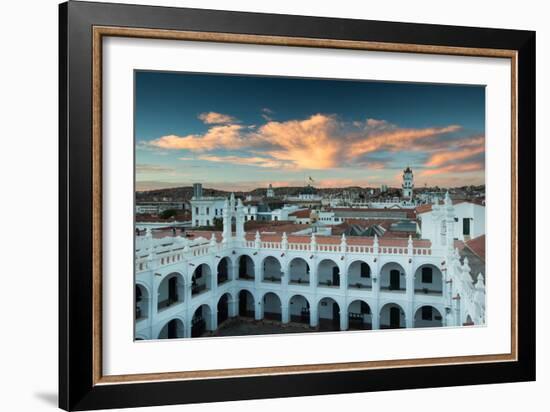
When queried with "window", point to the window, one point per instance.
{"points": [[207, 222], [365, 270], [426, 313], [197, 210], [196, 222], [466, 226], [207, 210], [427, 275]]}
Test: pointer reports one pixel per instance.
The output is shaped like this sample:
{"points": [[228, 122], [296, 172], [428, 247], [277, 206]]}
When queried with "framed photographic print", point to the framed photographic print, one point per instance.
{"points": [[259, 205]]}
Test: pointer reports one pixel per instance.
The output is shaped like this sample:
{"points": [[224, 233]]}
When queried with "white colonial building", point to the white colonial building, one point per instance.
{"points": [[186, 287], [205, 209], [469, 220]]}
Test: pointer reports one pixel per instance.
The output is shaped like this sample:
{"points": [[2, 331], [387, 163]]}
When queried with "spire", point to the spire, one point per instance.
{"points": [[284, 241], [480, 284], [343, 243], [375, 244], [232, 201], [410, 245], [213, 239]]}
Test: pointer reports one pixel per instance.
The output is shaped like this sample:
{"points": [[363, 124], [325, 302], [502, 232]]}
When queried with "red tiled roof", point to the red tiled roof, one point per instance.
{"points": [[301, 213], [477, 246]]}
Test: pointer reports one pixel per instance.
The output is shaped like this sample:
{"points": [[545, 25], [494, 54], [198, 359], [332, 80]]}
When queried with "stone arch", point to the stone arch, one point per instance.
{"points": [[171, 290], [201, 320], [272, 306], [359, 274], [328, 273], [299, 271], [392, 316], [359, 315], [299, 309], [246, 267], [172, 329], [224, 270], [201, 279], [223, 307], [272, 270], [428, 280], [328, 312], [142, 301], [428, 316], [393, 277], [247, 303]]}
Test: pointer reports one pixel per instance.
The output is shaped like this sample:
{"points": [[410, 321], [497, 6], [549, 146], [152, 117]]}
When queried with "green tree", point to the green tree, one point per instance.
{"points": [[168, 213]]}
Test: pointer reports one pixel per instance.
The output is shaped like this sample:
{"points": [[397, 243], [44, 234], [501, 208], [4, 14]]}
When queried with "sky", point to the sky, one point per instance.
{"points": [[239, 133]]}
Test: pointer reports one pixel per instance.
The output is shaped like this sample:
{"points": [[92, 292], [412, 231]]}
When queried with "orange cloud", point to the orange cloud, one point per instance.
{"points": [[216, 118], [462, 150], [308, 144], [318, 142], [226, 136], [398, 139], [248, 161], [454, 168]]}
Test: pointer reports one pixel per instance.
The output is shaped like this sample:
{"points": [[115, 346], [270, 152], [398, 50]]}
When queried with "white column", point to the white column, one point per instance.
{"points": [[187, 326], [344, 320], [214, 318], [258, 309], [314, 315], [285, 313], [233, 307], [375, 315]]}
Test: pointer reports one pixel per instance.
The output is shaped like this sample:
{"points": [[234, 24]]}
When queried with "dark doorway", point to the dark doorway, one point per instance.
{"points": [[336, 276], [395, 317], [173, 329], [198, 324], [223, 309], [244, 305], [173, 290], [335, 316], [394, 280]]}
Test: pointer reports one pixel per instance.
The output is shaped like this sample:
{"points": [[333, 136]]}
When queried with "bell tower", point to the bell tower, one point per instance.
{"points": [[408, 183]]}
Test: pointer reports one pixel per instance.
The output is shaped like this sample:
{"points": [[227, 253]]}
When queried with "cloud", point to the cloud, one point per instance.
{"points": [[216, 118], [226, 136], [150, 168], [454, 168], [325, 141], [248, 161], [267, 114]]}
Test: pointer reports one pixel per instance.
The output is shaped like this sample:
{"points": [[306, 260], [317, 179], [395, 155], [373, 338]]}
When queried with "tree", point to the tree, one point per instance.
{"points": [[168, 213]]}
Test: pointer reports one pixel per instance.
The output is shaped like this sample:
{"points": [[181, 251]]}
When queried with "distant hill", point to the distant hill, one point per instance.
{"points": [[185, 193]]}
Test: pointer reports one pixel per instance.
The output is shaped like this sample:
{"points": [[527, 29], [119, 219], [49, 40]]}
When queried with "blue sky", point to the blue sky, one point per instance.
{"points": [[242, 132]]}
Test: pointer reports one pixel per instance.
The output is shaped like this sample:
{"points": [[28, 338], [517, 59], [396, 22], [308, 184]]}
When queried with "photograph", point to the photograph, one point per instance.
{"points": [[281, 205]]}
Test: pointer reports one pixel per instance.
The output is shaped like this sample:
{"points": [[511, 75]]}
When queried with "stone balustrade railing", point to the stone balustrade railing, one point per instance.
{"points": [[170, 250]]}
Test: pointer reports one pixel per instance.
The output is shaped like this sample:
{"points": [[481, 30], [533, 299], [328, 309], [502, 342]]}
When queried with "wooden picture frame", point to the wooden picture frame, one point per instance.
{"points": [[82, 384]]}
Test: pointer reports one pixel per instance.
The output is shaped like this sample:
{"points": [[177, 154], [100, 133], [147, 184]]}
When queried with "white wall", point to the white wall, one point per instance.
{"points": [[28, 164]]}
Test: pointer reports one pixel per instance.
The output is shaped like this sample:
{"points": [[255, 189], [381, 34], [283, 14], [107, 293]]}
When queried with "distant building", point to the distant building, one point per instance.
{"points": [[408, 183], [270, 191], [155, 208], [383, 188], [204, 210]]}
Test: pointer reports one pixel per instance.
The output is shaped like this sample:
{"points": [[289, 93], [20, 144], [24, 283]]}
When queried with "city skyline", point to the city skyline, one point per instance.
{"points": [[239, 133]]}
